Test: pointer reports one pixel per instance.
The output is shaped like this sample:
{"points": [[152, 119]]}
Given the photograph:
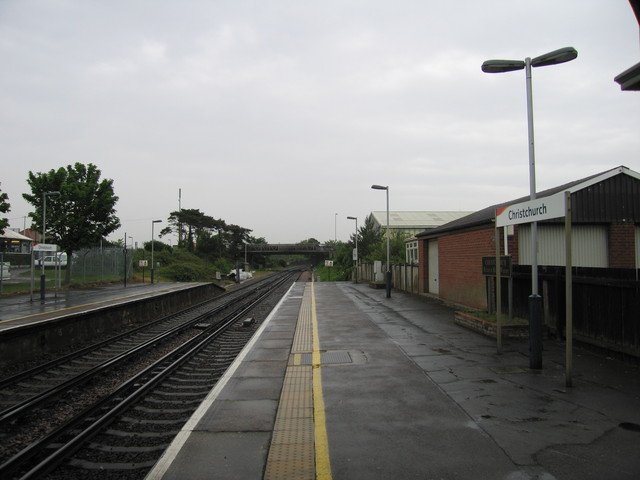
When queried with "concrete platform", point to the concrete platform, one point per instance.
{"points": [[31, 330], [20, 310], [341, 382]]}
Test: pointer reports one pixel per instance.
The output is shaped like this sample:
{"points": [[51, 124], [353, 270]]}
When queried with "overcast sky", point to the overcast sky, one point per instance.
{"points": [[276, 115]]}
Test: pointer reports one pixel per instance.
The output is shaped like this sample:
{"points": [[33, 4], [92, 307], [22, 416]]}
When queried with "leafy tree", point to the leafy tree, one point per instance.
{"points": [[373, 248], [343, 261], [82, 213], [258, 240], [370, 236], [310, 241], [4, 208], [257, 259], [397, 248], [158, 246], [192, 226], [235, 238], [208, 245]]}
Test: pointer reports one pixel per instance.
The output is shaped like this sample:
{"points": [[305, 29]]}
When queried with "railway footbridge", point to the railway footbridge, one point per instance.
{"points": [[315, 252]]}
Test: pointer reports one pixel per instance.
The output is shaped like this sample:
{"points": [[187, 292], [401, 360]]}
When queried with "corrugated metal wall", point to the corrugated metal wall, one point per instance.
{"points": [[589, 249], [637, 246], [614, 200]]}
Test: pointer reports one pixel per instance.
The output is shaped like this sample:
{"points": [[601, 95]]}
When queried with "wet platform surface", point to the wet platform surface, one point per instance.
{"points": [[20, 310], [341, 382]]}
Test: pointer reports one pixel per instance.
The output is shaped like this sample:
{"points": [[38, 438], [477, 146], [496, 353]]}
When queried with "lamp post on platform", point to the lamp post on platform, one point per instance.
{"points": [[535, 301], [388, 276], [153, 222], [43, 278], [355, 253]]}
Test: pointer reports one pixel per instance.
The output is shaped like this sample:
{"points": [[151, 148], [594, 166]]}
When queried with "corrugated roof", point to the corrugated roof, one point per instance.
{"points": [[416, 219], [487, 215]]}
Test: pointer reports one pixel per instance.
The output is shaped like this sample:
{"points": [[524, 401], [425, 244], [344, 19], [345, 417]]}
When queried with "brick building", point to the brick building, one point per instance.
{"points": [[606, 257]]}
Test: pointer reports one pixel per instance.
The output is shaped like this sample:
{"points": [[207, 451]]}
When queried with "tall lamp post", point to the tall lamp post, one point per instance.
{"points": [[388, 277], [535, 301], [355, 253], [43, 278], [153, 222]]}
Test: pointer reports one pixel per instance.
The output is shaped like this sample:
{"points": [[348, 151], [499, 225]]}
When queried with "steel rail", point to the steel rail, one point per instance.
{"points": [[141, 385], [8, 381], [11, 413]]}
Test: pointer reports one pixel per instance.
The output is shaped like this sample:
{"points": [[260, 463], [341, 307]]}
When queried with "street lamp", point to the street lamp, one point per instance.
{"points": [[355, 253], [561, 55], [153, 222], [388, 277], [44, 229]]}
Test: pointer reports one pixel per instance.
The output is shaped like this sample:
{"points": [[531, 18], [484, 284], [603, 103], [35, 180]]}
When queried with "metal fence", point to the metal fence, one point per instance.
{"points": [[606, 304], [101, 264], [403, 276]]}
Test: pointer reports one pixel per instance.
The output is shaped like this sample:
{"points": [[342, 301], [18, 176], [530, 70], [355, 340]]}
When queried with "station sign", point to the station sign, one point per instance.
{"points": [[45, 247], [489, 266], [536, 210]]}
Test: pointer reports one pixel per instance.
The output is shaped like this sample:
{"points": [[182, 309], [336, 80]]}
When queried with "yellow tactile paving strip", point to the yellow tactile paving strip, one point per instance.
{"points": [[299, 449], [303, 338]]}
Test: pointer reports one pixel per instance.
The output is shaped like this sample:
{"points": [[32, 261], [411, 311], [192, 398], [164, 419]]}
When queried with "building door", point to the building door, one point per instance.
{"points": [[433, 266]]}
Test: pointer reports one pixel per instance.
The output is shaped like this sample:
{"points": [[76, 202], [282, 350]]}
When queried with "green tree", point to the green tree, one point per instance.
{"points": [[158, 246], [309, 241], [82, 213], [257, 259], [192, 226], [397, 248], [4, 208], [369, 239], [209, 245], [343, 260], [235, 238]]}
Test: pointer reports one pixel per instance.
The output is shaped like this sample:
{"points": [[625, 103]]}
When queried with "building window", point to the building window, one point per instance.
{"points": [[412, 252]]}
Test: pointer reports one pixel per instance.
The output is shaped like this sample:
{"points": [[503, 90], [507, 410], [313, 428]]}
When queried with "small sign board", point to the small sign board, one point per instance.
{"points": [[355, 254], [328, 263], [45, 247], [536, 210], [489, 266], [143, 263]]}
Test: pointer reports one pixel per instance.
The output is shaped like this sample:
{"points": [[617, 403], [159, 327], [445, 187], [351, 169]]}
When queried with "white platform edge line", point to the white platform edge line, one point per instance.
{"points": [[163, 464]]}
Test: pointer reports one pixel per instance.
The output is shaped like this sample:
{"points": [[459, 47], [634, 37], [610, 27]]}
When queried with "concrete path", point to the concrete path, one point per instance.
{"points": [[591, 430]]}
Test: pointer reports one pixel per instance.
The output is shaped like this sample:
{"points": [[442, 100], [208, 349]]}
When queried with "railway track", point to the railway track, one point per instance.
{"points": [[122, 426]]}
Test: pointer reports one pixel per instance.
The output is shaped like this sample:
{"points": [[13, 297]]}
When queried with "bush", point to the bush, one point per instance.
{"points": [[184, 272], [222, 265], [334, 274]]}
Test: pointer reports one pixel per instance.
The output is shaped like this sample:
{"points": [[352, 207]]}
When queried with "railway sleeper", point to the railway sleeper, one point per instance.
{"points": [[200, 393], [148, 421], [123, 433], [169, 401], [119, 449], [164, 411], [89, 465], [192, 378]]}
